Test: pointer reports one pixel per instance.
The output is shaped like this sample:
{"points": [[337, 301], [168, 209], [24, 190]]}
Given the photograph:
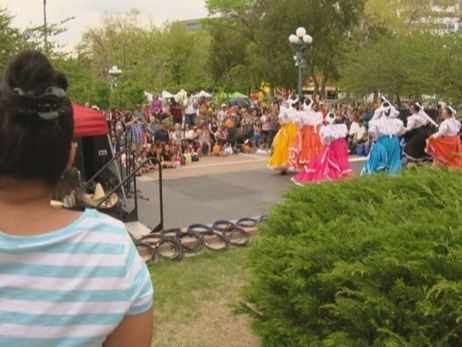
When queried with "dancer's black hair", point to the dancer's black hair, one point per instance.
{"points": [[36, 120]]}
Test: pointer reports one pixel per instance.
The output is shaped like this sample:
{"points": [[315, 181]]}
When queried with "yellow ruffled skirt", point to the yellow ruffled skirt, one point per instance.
{"points": [[281, 144]]}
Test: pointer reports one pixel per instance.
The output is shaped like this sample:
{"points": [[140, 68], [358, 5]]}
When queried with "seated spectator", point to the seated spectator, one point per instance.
{"points": [[213, 129], [218, 150], [188, 133], [145, 167], [164, 156], [222, 135], [357, 134], [162, 136], [177, 134]]}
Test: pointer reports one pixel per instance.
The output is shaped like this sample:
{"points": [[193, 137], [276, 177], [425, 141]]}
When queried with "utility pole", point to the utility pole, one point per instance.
{"points": [[45, 27]]}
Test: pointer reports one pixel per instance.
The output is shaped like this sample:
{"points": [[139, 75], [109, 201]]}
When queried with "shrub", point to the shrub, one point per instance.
{"points": [[374, 261]]}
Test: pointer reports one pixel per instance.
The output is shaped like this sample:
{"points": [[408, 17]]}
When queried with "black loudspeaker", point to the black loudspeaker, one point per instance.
{"points": [[404, 113], [96, 152]]}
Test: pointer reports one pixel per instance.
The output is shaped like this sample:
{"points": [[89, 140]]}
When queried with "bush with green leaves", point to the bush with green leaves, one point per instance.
{"points": [[371, 261]]}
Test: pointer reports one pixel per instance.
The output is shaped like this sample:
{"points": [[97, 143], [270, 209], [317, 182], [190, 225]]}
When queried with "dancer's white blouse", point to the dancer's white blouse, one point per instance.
{"points": [[307, 118], [286, 115], [449, 127], [331, 132], [418, 120], [386, 126], [394, 113]]}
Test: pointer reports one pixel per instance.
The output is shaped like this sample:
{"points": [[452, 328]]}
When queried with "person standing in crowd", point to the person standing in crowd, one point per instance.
{"points": [[203, 109], [156, 106], [265, 127], [223, 113], [135, 133], [190, 109], [89, 252], [152, 127], [176, 112], [273, 122], [139, 112]]}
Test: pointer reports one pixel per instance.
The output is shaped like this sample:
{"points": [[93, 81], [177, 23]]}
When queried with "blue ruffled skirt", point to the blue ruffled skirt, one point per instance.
{"points": [[385, 156]]}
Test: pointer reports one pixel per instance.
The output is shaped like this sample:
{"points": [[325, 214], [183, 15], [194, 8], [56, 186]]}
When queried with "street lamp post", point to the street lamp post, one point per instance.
{"points": [[114, 72], [45, 27], [301, 41]]}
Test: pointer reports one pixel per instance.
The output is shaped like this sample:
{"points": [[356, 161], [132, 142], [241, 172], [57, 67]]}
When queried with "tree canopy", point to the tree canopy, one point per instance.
{"points": [[362, 46]]}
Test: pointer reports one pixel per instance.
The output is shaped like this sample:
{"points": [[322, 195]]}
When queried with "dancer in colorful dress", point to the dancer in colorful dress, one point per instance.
{"points": [[307, 144], [419, 127], [385, 155], [283, 139], [394, 113], [444, 146], [332, 162]]}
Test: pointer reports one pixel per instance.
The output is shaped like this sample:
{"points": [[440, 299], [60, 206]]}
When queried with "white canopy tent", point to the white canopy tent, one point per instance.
{"points": [[167, 95], [148, 96], [204, 94], [181, 94]]}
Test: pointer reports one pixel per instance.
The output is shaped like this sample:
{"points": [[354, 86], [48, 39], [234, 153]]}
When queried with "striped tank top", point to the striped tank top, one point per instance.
{"points": [[70, 287]]}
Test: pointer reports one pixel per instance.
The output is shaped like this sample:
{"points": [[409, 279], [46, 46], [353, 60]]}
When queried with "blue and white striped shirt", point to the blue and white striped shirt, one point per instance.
{"points": [[71, 287]]}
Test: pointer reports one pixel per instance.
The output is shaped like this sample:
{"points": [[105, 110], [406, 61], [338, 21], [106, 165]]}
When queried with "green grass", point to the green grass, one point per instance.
{"points": [[192, 300]]}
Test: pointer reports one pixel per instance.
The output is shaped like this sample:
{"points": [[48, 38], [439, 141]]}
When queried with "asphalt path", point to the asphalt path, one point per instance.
{"points": [[231, 189]]}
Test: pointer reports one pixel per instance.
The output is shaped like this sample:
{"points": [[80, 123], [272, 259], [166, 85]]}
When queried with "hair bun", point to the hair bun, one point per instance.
{"points": [[30, 72]]}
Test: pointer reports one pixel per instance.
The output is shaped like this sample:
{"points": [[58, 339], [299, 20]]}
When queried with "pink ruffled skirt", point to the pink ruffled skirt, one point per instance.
{"points": [[329, 165]]}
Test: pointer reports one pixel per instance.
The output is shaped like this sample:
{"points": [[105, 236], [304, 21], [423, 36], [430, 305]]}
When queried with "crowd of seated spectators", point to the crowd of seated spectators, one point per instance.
{"points": [[178, 133]]}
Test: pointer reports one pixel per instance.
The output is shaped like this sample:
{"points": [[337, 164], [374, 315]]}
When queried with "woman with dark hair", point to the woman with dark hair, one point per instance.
{"points": [[385, 155], [418, 128], [67, 278], [444, 146]]}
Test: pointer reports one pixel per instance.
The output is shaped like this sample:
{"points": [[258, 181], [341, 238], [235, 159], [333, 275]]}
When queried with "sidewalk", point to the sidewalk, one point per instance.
{"points": [[212, 165]]}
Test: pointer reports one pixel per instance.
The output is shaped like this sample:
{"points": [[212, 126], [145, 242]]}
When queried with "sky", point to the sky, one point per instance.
{"points": [[88, 12]]}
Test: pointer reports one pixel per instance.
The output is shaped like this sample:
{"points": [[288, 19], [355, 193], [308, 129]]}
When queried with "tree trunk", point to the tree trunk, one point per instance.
{"points": [[316, 84], [398, 101]]}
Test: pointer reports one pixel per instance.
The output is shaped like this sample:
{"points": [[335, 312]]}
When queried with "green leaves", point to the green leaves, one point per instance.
{"points": [[415, 63], [371, 261], [127, 95]]}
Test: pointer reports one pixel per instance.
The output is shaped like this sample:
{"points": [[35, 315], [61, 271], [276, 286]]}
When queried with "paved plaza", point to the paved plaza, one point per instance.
{"points": [[215, 188]]}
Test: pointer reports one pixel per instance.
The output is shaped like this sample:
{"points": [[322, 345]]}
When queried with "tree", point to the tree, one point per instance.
{"points": [[10, 37], [127, 95], [417, 63], [267, 24], [401, 16], [155, 58], [228, 57]]}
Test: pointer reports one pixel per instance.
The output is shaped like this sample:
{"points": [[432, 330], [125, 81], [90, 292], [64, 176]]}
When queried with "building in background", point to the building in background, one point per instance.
{"points": [[192, 24]]}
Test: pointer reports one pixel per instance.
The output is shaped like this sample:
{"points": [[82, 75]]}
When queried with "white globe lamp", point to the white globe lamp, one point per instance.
{"points": [[301, 32], [307, 39], [293, 39]]}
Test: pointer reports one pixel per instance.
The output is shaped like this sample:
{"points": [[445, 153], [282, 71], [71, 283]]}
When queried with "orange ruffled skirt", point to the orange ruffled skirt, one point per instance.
{"points": [[281, 143], [445, 151], [305, 147]]}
